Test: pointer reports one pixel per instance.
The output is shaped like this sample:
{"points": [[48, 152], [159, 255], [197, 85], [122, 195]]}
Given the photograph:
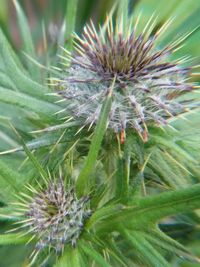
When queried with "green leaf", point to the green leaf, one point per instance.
{"points": [[102, 215], [44, 140], [6, 82], [6, 214], [147, 252], [33, 159], [158, 238], [15, 239], [26, 39], [16, 74], [82, 181], [93, 254], [151, 209], [17, 62], [27, 102], [70, 258], [10, 177]]}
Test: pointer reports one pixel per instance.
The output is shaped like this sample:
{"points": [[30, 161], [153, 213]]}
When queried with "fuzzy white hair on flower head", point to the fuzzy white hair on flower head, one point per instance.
{"points": [[54, 216], [147, 85]]}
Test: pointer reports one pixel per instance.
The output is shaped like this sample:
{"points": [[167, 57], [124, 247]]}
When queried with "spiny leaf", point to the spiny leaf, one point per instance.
{"points": [[15, 239], [157, 237], [43, 141], [171, 144], [147, 211], [18, 77], [10, 177], [33, 159], [27, 102], [153, 208], [17, 62], [27, 39], [6, 82], [6, 214], [148, 253], [102, 214], [70, 258]]}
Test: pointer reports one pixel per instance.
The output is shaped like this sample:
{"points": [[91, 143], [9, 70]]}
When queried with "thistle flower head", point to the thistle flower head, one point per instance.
{"points": [[55, 216], [147, 83]]}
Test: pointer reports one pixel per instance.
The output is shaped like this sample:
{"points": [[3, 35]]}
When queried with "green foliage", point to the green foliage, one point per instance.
{"points": [[138, 191]]}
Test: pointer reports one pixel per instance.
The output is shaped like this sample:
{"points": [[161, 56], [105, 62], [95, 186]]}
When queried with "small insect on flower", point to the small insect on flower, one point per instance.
{"points": [[147, 85], [54, 215]]}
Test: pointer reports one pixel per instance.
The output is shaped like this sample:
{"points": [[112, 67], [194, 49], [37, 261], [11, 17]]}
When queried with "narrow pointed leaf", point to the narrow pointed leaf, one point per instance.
{"points": [[26, 39], [28, 102], [70, 258], [152, 209], [11, 177], [147, 252], [21, 80], [93, 254], [96, 143], [15, 239], [33, 159]]}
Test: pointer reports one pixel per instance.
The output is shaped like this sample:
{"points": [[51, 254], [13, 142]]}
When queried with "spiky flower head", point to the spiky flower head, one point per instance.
{"points": [[147, 84], [55, 216]]}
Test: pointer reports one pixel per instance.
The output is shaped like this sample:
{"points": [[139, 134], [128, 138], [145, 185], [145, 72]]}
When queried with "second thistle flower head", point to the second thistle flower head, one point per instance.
{"points": [[55, 216], [147, 83]]}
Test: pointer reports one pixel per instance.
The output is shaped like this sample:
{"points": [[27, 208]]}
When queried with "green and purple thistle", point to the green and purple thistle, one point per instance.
{"points": [[147, 83], [54, 216]]}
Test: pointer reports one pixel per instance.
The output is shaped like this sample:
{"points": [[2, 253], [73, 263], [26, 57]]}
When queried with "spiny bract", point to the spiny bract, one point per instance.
{"points": [[55, 216], [147, 83]]}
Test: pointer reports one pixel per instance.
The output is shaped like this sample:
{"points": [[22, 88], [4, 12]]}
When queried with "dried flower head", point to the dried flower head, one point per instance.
{"points": [[55, 216], [147, 84]]}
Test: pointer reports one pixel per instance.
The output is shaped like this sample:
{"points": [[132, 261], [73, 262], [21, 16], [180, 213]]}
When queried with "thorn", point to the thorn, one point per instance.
{"points": [[10, 151], [60, 111], [80, 129], [195, 74], [30, 239]]}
